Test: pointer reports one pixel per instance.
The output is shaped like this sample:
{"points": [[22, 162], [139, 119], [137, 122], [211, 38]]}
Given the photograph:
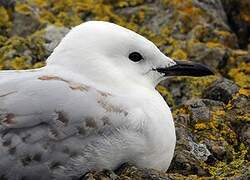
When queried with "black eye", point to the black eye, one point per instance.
{"points": [[135, 56]]}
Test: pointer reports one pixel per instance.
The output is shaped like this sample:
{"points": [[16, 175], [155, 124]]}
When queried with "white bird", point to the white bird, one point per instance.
{"points": [[93, 106]]}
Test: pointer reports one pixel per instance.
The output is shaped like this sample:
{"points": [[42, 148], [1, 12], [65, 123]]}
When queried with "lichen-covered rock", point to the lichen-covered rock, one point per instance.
{"points": [[199, 110], [221, 90], [188, 154], [24, 25], [128, 171], [238, 19], [8, 3], [212, 114], [244, 134], [53, 36]]}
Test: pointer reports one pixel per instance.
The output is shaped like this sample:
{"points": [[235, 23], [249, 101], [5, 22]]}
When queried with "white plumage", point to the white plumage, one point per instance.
{"points": [[90, 107]]}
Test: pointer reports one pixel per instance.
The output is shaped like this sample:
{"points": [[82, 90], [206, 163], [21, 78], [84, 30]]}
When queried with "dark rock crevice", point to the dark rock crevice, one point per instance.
{"points": [[237, 23]]}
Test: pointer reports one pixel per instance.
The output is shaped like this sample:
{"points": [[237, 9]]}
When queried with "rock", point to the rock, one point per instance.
{"points": [[238, 116], [199, 110], [215, 57], [219, 150], [105, 174], [221, 90], [24, 25], [132, 172], [244, 134], [200, 151], [238, 15], [128, 171], [177, 90], [53, 36], [188, 154], [213, 8], [8, 3], [210, 131], [243, 176]]}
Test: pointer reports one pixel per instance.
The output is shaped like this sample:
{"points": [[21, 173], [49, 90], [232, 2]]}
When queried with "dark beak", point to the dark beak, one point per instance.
{"points": [[186, 68]]}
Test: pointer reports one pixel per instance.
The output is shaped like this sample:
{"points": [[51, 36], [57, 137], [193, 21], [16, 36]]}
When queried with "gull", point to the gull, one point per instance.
{"points": [[93, 106]]}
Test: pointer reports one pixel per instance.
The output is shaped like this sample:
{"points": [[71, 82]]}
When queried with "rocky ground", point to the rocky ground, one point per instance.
{"points": [[212, 114]]}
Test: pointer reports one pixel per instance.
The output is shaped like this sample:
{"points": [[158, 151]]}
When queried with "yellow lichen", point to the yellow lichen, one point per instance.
{"points": [[4, 16], [244, 118], [23, 8], [200, 126], [245, 17], [240, 52], [40, 3], [186, 19], [219, 113], [165, 30], [190, 10], [19, 63], [179, 54], [223, 33], [39, 65], [214, 45], [244, 92], [198, 85], [223, 169], [241, 75]]}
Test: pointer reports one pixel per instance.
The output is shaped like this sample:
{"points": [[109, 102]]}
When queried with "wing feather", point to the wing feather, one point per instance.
{"points": [[46, 120]]}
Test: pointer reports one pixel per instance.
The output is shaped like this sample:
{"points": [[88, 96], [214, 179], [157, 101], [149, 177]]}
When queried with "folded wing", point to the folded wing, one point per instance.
{"points": [[47, 120]]}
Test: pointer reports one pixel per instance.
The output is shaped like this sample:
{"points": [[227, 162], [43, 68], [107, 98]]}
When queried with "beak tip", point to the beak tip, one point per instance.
{"points": [[206, 71]]}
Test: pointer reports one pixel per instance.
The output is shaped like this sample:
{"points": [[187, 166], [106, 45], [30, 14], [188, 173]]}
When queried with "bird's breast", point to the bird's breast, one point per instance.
{"points": [[160, 135]]}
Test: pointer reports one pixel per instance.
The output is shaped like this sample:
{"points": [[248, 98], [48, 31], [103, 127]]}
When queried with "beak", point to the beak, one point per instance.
{"points": [[186, 68]]}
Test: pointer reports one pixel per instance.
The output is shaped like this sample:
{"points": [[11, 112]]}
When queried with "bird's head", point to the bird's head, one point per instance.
{"points": [[110, 54]]}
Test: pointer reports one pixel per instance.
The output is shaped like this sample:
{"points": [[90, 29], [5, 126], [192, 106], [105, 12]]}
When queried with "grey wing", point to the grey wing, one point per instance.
{"points": [[45, 121]]}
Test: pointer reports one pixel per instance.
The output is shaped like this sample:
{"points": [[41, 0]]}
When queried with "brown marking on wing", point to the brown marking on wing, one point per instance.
{"points": [[51, 77], [111, 108], [104, 94], [90, 122], [9, 119], [9, 93], [80, 87], [61, 116], [106, 120], [72, 85], [53, 133]]}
